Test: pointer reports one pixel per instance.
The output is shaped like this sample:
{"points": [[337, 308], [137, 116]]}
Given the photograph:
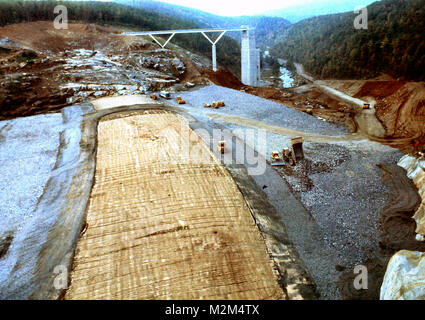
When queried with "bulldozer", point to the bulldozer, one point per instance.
{"points": [[154, 97], [180, 100], [275, 159], [296, 153], [366, 106]]}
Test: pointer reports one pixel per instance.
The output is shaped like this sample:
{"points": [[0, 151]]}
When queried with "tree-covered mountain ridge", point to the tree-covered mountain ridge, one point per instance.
{"points": [[330, 47]]}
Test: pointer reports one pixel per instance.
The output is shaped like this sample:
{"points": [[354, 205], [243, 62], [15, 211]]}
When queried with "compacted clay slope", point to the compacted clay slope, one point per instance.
{"points": [[162, 226]]}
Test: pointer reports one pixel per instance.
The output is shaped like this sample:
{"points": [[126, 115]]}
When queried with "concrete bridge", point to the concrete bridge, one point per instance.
{"points": [[250, 55]]}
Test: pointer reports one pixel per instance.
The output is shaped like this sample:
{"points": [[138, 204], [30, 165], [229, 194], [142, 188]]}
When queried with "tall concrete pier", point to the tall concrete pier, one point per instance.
{"points": [[250, 61]]}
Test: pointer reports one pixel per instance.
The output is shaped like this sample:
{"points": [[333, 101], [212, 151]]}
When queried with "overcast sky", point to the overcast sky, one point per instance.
{"points": [[237, 7]]}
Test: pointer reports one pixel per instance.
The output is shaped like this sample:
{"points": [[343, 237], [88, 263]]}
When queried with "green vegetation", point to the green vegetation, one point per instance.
{"points": [[330, 47], [26, 56], [16, 11], [274, 64]]}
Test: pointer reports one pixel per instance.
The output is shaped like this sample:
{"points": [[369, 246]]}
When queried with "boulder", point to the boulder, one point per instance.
{"points": [[415, 168], [405, 277]]}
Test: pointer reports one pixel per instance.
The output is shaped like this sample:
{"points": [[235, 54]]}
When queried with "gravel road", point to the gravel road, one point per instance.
{"points": [[253, 107]]}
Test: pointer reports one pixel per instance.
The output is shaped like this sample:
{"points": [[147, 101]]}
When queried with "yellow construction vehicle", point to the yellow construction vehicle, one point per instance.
{"points": [[296, 153], [221, 104], [221, 146], [276, 159], [366, 106], [180, 100], [154, 97], [206, 105]]}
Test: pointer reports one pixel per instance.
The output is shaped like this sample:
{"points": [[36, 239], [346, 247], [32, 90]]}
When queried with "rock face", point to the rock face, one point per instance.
{"points": [[416, 171], [405, 277], [164, 62]]}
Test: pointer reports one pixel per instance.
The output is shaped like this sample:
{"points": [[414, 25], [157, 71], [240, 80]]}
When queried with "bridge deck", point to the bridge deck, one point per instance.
{"points": [[146, 33]]}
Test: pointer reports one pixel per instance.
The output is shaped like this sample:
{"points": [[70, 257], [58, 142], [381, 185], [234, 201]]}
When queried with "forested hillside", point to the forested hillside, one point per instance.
{"points": [[265, 27], [330, 46], [16, 11], [314, 8]]}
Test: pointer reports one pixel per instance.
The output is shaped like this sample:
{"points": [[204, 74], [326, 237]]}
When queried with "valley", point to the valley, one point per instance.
{"points": [[108, 175]]}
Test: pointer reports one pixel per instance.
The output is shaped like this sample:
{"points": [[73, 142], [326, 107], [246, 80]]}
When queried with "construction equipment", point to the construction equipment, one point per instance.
{"points": [[214, 105], [165, 95], [296, 153], [276, 160], [180, 100], [366, 106], [288, 156], [154, 96], [221, 146]]}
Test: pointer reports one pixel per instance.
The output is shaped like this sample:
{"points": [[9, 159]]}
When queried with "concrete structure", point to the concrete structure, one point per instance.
{"points": [[250, 72], [250, 60]]}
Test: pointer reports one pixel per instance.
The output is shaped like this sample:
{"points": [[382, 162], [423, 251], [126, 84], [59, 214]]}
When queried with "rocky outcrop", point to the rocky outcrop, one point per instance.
{"points": [[161, 62]]}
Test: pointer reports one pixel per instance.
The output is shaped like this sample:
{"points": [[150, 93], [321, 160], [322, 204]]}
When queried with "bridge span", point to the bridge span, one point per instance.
{"points": [[250, 55]]}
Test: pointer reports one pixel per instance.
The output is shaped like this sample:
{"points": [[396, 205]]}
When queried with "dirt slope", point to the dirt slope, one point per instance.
{"points": [[400, 107]]}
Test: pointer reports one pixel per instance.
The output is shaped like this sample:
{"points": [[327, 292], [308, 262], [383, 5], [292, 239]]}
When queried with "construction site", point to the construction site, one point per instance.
{"points": [[143, 171]]}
